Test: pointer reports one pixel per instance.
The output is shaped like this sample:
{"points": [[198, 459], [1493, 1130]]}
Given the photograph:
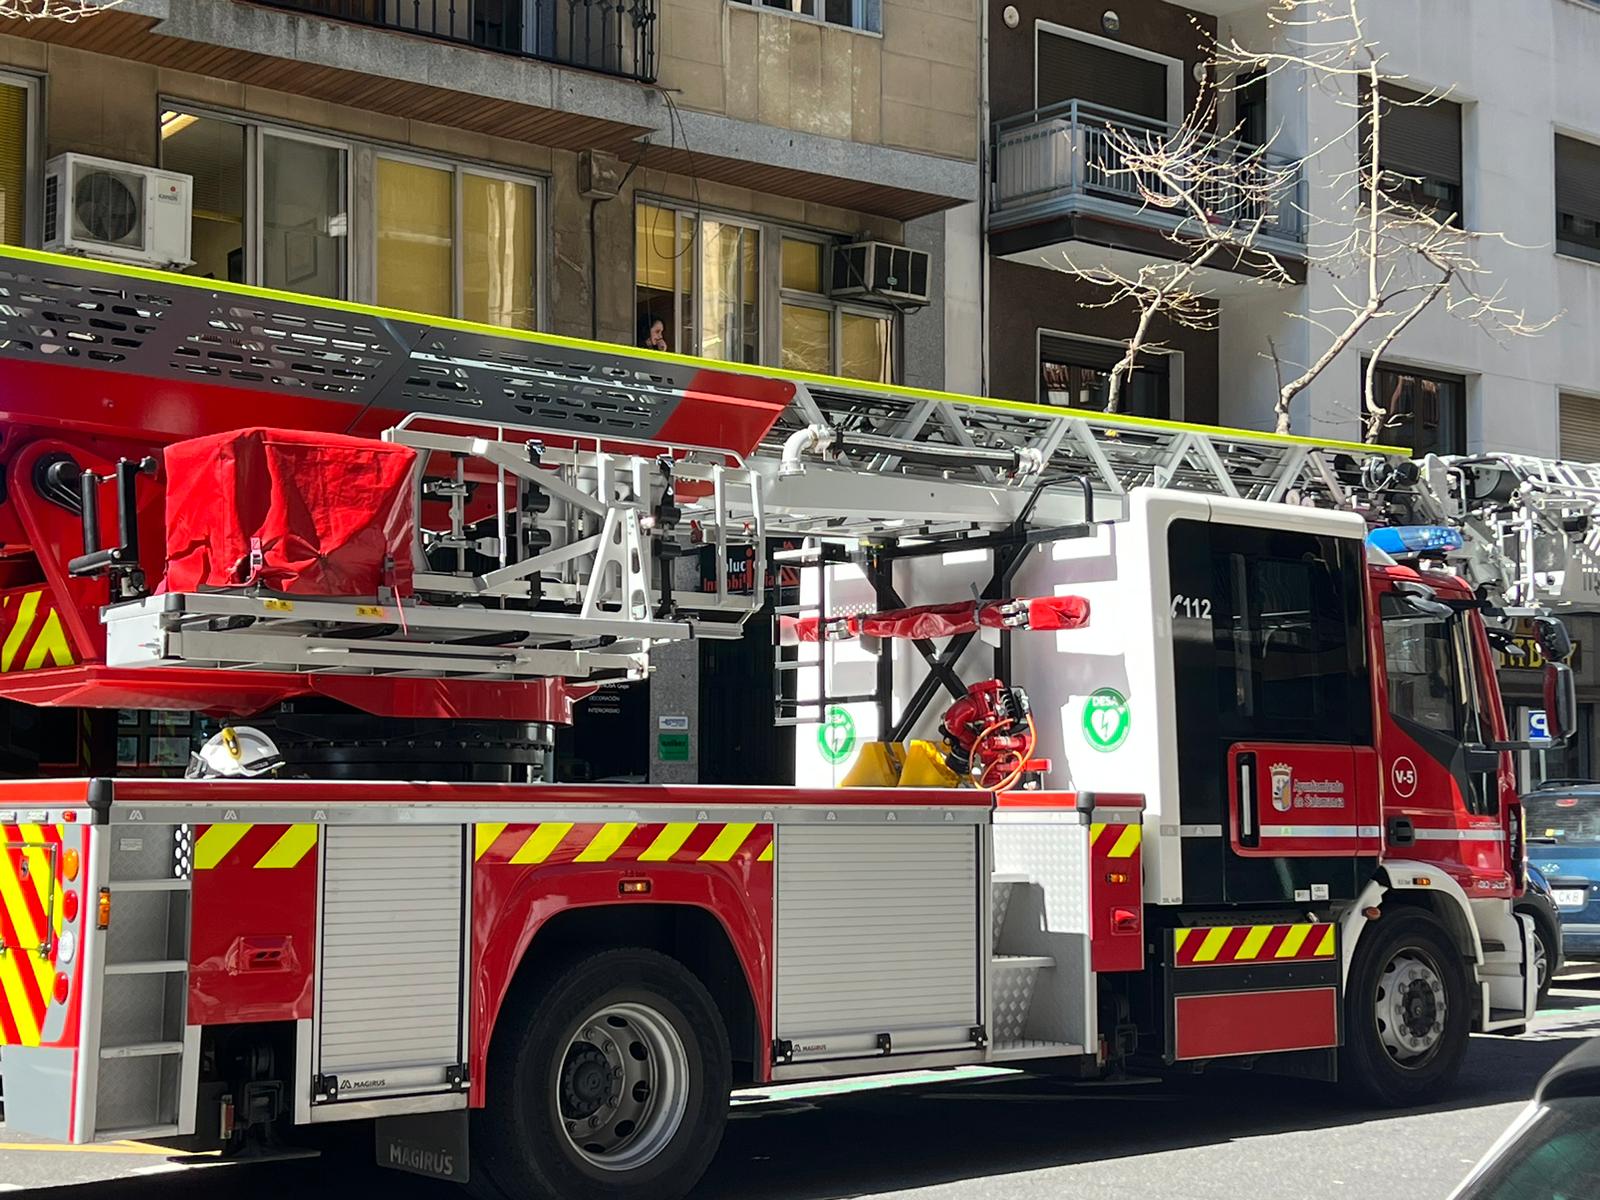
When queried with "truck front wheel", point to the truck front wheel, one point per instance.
{"points": [[612, 1084], [1407, 1012]]}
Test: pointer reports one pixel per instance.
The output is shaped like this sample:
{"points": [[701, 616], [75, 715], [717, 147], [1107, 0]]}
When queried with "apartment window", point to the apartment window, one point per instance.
{"points": [[865, 15], [1577, 198], [304, 215], [18, 147], [747, 291], [1426, 411], [823, 336], [1580, 429], [280, 208], [701, 278], [1419, 149], [1076, 373], [1250, 109], [1079, 67], [214, 153]]}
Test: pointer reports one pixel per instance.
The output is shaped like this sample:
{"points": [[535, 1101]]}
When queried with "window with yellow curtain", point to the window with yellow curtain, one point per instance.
{"points": [[730, 298], [663, 257], [499, 250], [13, 163], [807, 338], [866, 346], [416, 237]]}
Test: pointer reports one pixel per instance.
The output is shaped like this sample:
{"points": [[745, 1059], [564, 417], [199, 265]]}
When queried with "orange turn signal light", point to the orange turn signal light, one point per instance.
{"points": [[69, 865], [634, 887], [103, 911]]}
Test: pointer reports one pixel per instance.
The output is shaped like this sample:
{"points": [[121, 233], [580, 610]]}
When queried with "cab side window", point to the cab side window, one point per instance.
{"points": [[1425, 684]]}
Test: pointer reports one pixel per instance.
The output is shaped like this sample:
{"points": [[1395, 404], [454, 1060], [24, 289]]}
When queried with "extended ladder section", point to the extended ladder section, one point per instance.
{"points": [[1530, 527], [566, 488]]}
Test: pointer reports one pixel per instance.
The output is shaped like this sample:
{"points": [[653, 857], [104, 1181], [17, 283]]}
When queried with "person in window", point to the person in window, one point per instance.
{"points": [[653, 334]]}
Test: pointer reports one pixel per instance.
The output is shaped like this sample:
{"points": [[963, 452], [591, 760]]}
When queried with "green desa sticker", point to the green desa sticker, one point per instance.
{"points": [[1106, 718]]}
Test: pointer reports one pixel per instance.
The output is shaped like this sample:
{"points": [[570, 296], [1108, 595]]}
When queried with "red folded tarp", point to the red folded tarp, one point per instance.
{"points": [[311, 514]]}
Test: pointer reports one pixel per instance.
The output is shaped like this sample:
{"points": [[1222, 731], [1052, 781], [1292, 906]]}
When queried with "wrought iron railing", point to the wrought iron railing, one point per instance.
{"points": [[1074, 150], [616, 37]]}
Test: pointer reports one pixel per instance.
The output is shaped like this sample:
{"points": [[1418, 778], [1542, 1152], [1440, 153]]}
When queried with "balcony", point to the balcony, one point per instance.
{"points": [[613, 37], [1061, 176]]}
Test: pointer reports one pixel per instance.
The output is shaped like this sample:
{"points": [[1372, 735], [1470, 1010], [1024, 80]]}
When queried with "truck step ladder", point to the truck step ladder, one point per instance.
{"points": [[143, 1048]]}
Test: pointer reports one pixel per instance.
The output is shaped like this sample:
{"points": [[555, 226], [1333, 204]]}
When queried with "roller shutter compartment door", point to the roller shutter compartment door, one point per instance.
{"points": [[390, 958], [1580, 429]]}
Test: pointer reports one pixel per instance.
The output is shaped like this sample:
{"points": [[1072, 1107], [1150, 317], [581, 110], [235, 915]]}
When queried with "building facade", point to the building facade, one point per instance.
{"points": [[673, 172], [1512, 146]]}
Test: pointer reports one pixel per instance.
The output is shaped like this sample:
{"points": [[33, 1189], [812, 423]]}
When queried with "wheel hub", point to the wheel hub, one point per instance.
{"points": [[587, 1081], [623, 1087], [1411, 1008]]}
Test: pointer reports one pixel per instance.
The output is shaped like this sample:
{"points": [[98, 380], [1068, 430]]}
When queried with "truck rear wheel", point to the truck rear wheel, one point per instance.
{"points": [[612, 1085], [1407, 1012]]}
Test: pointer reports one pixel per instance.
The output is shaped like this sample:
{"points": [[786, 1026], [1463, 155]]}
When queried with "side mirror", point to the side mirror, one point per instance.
{"points": [[1555, 643], [1560, 701]]}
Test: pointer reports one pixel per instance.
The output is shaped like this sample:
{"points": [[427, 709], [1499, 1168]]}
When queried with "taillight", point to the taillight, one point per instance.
{"points": [[69, 906], [60, 991], [1124, 920]]}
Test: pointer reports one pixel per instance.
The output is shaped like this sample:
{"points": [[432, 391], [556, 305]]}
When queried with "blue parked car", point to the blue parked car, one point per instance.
{"points": [[1563, 823]]}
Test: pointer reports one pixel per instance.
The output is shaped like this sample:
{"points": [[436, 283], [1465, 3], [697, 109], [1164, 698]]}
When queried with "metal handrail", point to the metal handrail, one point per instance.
{"points": [[613, 37], [1067, 149]]}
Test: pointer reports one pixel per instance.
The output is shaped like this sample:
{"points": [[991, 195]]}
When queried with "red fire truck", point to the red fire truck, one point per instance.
{"points": [[1215, 779]]}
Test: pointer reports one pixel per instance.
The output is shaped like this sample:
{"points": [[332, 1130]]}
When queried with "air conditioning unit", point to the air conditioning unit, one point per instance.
{"points": [[882, 270], [117, 210]]}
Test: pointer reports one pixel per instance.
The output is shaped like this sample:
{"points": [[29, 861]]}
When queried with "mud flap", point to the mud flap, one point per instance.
{"points": [[430, 1144]]}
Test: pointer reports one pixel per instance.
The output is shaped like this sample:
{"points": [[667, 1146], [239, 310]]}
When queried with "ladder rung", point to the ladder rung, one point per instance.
{"points": [[163, 966], [149, 885], [142, 1050]]}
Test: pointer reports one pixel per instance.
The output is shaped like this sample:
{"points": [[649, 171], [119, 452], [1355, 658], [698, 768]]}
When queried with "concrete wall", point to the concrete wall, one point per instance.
{"points": [[915, 87], [1024, 299], [1523, 71], [109, 107], [1148, 24]]}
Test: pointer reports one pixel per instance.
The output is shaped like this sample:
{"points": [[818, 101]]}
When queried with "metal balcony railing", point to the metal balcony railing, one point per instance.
{"points": [[1071, 157], [615, 37]]}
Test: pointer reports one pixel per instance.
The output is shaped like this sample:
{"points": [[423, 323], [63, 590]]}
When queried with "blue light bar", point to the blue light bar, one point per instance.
{"points": [[1415, 539]]}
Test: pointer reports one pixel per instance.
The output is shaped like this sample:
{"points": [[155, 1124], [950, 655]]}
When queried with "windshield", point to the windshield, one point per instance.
{"points": [[1563, 818], [1556, 1157]]}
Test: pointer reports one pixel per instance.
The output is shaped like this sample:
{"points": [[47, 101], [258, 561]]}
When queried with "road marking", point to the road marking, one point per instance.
{"points": [[99, 1148], [871, 1083]]}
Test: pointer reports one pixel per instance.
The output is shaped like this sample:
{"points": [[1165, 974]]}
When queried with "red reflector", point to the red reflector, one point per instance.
{"points": [[69, 906], [1567, 802], [1124, 920], [60, 991]]}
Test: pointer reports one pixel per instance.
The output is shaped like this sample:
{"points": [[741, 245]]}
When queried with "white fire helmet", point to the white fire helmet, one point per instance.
{"points": [[236, 752]]}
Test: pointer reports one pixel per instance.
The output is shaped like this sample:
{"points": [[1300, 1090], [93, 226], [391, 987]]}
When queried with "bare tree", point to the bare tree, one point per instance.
{"points": [[1224, 199], [1391, 251], [65, 11]]}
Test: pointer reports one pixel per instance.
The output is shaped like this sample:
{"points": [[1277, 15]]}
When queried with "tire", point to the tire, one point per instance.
{"points": [[1407, 1012], [1544, 957], [609, 1083]]}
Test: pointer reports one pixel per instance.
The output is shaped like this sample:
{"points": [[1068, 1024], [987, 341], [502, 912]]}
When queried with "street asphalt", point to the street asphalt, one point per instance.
{"points": [[982, 1136]]}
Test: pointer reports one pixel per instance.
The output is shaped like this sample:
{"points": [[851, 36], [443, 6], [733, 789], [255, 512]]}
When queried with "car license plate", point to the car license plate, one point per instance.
{"points": [[1571, 897]]}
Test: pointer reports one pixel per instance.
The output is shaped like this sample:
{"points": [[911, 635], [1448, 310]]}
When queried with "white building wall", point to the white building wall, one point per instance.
{"points": [[1523, 70]]}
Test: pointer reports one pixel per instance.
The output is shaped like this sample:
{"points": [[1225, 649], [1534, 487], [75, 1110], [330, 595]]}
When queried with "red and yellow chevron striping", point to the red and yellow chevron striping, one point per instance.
{"points": [[1123, 839], [30, 921], [622, 841], [267, 847], [1241, 945], [31, 635]]}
